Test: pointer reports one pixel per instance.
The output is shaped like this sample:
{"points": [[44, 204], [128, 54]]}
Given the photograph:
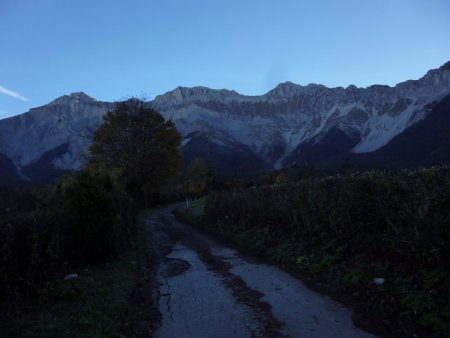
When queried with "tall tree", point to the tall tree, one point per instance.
{"points": [[138, 145]]}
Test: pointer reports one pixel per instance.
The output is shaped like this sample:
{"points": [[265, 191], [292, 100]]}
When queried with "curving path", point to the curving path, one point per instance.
{"points": [[204, 289]]}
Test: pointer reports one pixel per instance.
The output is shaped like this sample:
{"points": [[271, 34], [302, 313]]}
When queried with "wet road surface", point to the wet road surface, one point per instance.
{"points": [[204, 289]]}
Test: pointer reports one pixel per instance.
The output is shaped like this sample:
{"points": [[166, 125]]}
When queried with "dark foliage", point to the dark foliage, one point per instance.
{"points": [[85, 219], [353, 228], [139, 145], [97, 215], [88, 217]]}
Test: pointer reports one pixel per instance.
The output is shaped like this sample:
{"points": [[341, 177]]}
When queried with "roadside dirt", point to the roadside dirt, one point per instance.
{"points": [[143, 317], [205, 289]]}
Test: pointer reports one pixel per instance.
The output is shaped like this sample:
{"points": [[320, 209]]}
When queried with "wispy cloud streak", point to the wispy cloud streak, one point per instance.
{"points": [[11, 93]]}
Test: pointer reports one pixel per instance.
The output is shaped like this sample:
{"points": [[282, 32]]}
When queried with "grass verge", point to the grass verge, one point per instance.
{"points": [[104, 301], [194, 213], [395, 308]]}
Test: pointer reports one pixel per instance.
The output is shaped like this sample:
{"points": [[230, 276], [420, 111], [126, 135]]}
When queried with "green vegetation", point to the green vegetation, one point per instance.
{"points": [[348, 230], [199, 177], [195, 213], [90, 306], [139, 147], [84, 222], [87, 220]]}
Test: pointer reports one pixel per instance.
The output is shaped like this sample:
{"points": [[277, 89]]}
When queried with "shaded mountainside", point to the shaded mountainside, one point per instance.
{"points": [[44, 169], [8, 174], [289, 125], [330, 152], [227, 159], [50, 140], [424, 144]]}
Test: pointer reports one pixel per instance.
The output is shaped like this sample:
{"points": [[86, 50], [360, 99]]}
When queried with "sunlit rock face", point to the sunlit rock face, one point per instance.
{"points": [[291, 124]]}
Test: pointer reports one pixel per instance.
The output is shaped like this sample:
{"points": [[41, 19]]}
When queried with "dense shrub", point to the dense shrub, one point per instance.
{"points": [[355, 227], [15, 208], [84, 219], [97, 217], [404, 213], [87, 217]]}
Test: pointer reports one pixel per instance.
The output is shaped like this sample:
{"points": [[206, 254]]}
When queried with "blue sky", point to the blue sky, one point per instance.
{"points": [[112, 49]]}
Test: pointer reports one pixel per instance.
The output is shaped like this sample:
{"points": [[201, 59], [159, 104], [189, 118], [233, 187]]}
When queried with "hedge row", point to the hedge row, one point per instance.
{"points": [[353, 228]]}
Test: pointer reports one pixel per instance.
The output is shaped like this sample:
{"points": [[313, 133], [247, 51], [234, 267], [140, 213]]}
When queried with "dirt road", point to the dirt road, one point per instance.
{"points": [[204, 289]]}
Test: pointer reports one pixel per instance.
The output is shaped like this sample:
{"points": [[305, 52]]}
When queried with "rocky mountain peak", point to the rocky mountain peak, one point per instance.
{"points": [[193, 94], [278, 127], [351, 88], [76, 97], [289, 89], [285, 89], [445, 66]]}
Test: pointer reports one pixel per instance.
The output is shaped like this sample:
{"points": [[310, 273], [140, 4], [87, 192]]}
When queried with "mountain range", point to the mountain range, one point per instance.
{"points": [[379, 126]]}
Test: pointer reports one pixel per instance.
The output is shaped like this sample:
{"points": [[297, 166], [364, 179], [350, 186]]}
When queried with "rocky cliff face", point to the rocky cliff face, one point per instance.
{"points": [[424, 144], [290, 124], [52, 137], [277, 124]]}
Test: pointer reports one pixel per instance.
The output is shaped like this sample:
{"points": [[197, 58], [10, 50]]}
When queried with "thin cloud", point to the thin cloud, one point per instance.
{"points": [[11, 93]]}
